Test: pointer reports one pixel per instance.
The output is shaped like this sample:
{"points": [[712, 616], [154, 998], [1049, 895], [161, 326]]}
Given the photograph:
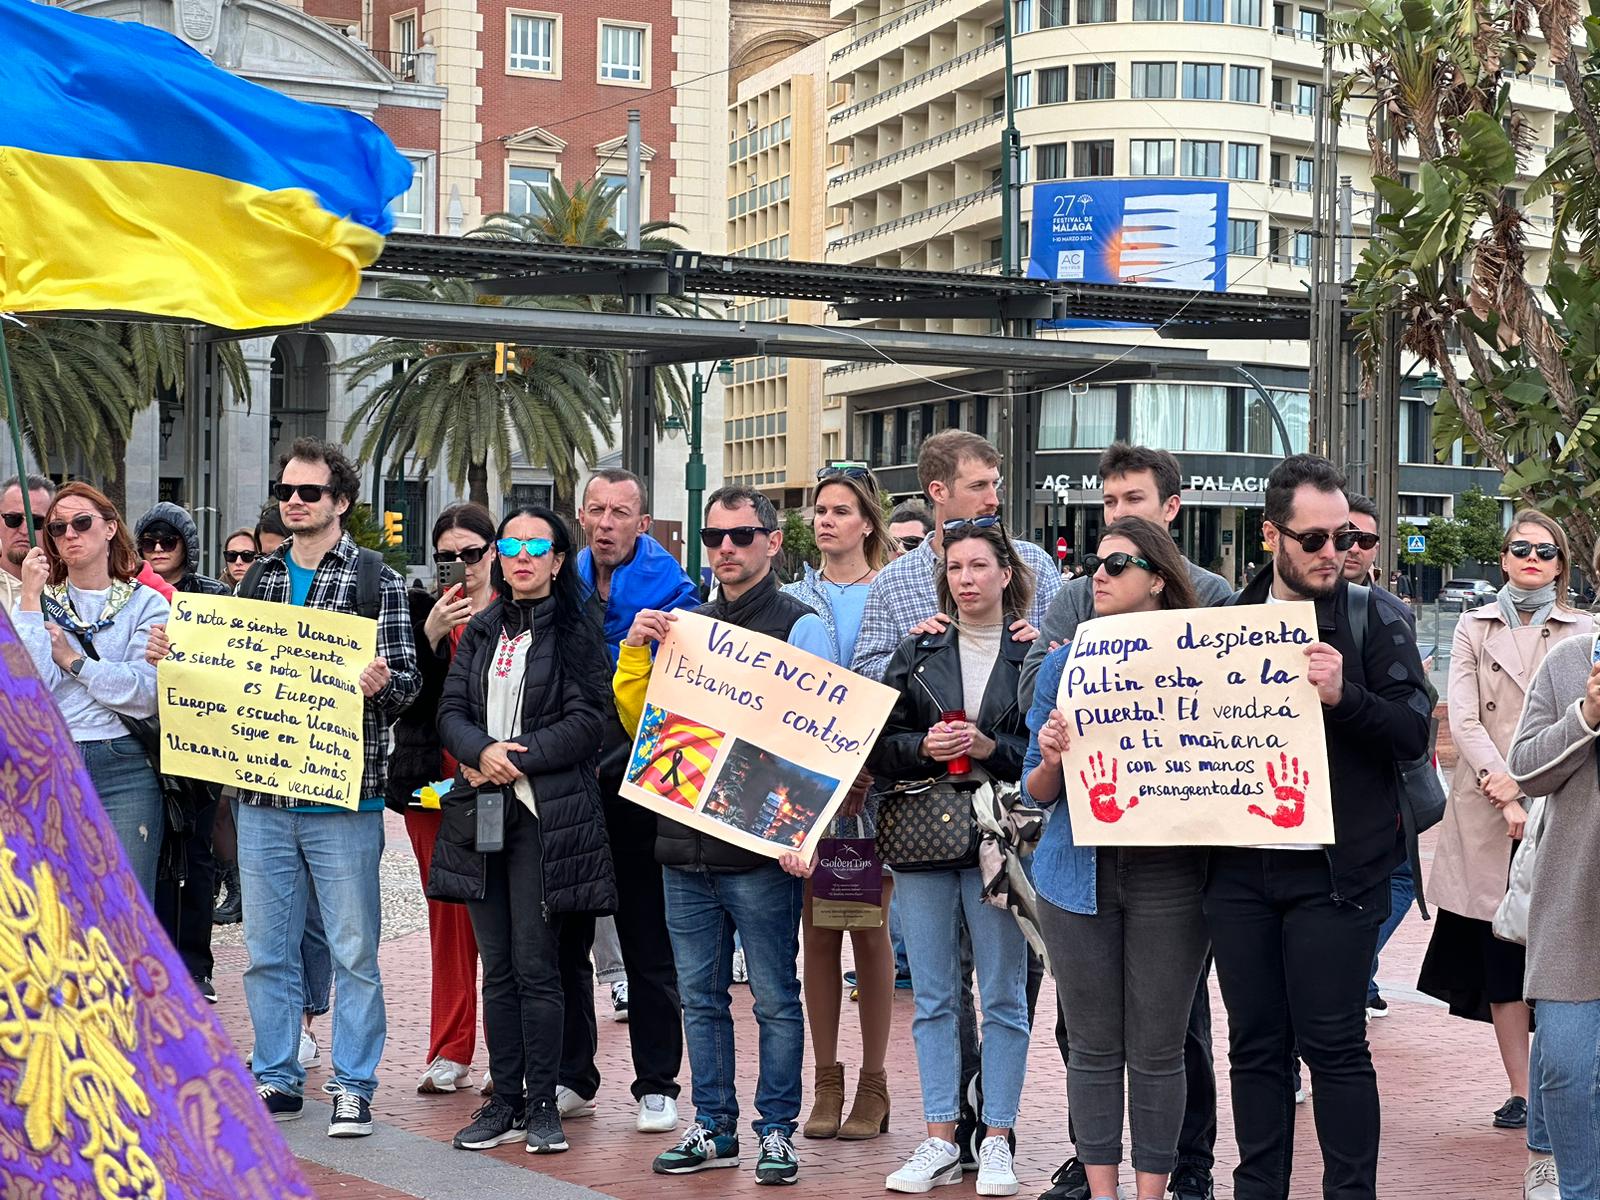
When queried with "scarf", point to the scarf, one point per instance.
{"points": [[1514, 601], [57, 603]]}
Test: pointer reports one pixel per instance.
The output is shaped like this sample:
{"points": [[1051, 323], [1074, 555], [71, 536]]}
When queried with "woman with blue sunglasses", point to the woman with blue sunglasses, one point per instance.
{"points": [[522, 712]]}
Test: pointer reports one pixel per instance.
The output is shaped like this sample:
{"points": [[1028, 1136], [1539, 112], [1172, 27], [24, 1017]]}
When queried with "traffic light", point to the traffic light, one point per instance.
{"points": [[394, 528], [505, 359]]}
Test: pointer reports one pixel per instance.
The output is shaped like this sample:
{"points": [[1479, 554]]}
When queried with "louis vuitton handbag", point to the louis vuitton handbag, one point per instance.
{"points": [[928, 826]]}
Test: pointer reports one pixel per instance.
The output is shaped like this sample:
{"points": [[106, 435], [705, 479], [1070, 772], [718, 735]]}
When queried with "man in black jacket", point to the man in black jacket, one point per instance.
{"points": [[714, 889], [1294, 926]]}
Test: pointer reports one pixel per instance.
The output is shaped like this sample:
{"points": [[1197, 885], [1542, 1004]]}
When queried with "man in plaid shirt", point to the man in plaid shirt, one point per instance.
{"points": [[292, 853]]}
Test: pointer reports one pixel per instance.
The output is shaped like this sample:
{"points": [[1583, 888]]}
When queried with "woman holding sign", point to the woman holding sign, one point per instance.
{"points": [[1132, 913], [957, 722], [522, 712]]}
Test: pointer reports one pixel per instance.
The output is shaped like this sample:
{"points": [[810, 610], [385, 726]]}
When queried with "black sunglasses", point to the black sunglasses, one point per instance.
{"points": [[83, 522], [1317, 538], [470, 555], [1115, 564], [152, 542], [912, 541], [234, 556], [310, 493], [14, 520], [1367, 541], [1545, 550], [846, 473], [970, 522], [742, 535]]}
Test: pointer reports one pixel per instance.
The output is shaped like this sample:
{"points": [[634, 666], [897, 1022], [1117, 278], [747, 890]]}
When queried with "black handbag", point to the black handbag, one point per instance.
{"points": [[459, 871], [928, 826]]}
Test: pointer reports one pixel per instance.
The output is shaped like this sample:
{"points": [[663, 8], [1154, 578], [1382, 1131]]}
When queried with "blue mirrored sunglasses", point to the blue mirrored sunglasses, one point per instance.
{"points": [[510, 547]]}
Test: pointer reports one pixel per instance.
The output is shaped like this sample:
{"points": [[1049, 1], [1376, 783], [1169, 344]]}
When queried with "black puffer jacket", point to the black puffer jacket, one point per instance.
{"points": [[181, 523], [417, 757], [926, 672], [563, 711]]}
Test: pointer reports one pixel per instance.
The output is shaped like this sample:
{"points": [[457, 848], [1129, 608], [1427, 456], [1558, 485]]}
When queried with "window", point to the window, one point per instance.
{"points": [[1155, 10], [1052, 13], [1096, 12], [1303, 168], [1311, 24], [1261, 432], [1246, 12], [1022, 89], [1051, 160], [531, 43], [1151, 156], [1078, 418], [527, 188], [1021, 20], [1180, 416], [1202, 10], [1408, 180], [1202, 160], [1090, 159], [403, 43], [1202, 81], [1244, 84], [619, 215], [622, 53], [410, 211], [1242, 235], [1095, 81], [1155, 81], [1244, 160], [1305, 99], [1301, 255], [528, 494], [1053, 85]]}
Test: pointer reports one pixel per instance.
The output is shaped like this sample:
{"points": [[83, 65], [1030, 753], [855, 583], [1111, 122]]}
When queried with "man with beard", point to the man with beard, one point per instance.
{"points": [[14, 533], [1294, 926]]}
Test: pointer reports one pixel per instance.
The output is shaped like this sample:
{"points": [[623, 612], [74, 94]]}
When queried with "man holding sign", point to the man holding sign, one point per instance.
{"points": [[1294, 926], [285, 844]]}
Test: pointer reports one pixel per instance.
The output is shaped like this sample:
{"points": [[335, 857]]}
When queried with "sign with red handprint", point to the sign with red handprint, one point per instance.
{"points": [[1195, 728]]}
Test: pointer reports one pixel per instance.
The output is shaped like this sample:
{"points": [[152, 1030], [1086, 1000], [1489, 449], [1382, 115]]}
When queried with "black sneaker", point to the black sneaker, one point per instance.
{"points": [[698, 1150], [1191, 1182], [494, 1124], [281, 1105], [545, 1135], [1070, 1182], [970, 1130], [203, 982], [777, 1163], [1513, 1114], [1377, 1007], [352, 1116]]}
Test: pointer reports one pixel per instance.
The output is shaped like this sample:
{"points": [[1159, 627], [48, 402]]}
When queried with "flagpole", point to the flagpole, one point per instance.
{"points": [[15, 422]]}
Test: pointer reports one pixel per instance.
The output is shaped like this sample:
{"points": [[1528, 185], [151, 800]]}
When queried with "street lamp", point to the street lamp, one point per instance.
{"points": [[1428, 386], [694, 471]]}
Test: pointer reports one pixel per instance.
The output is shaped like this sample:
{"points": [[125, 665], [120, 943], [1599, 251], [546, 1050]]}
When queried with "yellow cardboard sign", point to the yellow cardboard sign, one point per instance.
{"points": [[1196, 727], [265, 697]]}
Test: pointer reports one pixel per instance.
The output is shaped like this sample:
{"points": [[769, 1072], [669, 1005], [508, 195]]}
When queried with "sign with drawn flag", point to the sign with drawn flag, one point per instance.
{"points": [[137, 176], [116, 1077]]}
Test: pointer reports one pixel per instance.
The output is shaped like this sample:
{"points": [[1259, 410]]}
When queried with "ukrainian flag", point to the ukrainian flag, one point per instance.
{"points": [[137, 176]]}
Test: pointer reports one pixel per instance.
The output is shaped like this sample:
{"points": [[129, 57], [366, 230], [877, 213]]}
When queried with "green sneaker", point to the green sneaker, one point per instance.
{"points": [[777, 1164], [699, 1150]]}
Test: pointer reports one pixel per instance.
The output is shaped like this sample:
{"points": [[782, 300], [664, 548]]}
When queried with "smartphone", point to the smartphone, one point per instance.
{"points": [[450, 574], [491, 822]]}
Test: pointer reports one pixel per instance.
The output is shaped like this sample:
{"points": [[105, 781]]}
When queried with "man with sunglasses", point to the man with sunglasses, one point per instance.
{"points": [[14, 531], [711, 885], [1294, 927], [909, 526]]}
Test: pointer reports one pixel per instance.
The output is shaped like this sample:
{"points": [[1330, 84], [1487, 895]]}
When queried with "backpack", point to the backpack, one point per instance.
{"points": [[369, 582]]}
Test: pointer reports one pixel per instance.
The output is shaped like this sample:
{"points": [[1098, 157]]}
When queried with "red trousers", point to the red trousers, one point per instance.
{"points": [[453, 1016]]}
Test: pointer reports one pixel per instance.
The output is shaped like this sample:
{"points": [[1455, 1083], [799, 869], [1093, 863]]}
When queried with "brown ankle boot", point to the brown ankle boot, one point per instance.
{"points": [[827, 1102], [869, 1114]]}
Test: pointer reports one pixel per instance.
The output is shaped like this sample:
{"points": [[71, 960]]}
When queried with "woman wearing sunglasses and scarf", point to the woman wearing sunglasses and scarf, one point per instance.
{"points": [[1498, 649], [523, 711], [1133, 913], [85, 621]]}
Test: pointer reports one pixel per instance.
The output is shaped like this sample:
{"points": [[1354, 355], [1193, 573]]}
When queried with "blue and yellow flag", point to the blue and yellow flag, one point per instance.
{"points": [[137, 176]]}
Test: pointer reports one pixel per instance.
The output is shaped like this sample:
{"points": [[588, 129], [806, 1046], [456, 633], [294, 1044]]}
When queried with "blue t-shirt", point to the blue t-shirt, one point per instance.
{"points": [[299, 580], [810, 634], [849, 604]]}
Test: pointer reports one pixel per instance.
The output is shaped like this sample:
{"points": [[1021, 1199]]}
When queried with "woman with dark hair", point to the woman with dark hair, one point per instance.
{"points": [[239, 550], [522, 712], [464, 534], [85, 621], [956, 722], [1128, 919]]}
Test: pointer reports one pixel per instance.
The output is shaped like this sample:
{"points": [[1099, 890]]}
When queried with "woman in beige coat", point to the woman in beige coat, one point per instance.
{"points": [[1497, 651]]}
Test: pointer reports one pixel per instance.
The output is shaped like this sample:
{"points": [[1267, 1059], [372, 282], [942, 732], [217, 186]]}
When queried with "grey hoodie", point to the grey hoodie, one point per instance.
{"points": [[180, 520]]}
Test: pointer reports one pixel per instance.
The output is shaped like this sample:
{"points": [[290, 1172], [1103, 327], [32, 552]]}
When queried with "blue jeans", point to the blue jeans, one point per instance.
{"points": [[897, 939], [1402, 891], [704, 908], [1538, 1134], [281, 853], [316, 963], [932, 904], [1568, 1083], [131, 796]]}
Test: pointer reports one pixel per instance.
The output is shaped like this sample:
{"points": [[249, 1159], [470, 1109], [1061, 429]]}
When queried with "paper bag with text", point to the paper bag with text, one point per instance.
{"points": [[750, 740], [1196, 728], [265, 697]]}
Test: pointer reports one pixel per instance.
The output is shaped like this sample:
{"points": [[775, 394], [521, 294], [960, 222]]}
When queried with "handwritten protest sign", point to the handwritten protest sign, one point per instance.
{"points": [[750, 740], [1196, 728], [265, 697]]}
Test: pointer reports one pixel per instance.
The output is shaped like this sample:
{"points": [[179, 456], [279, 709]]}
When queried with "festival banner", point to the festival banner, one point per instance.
{"points": [[265, 697], [116, 1077], [1196, 727], [750, 740]]}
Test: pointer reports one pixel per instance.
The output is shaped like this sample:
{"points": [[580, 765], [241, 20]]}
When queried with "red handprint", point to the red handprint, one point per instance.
{"points": [[1103, 791], [1289, 784]]}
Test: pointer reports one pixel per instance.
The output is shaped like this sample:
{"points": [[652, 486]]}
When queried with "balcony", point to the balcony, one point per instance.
{"points": [[976, 208], [912, 25], [911, 159], [842, 123]]}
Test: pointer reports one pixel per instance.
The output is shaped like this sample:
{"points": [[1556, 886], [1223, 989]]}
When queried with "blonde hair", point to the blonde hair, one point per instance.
{"points": [[869, 502]]}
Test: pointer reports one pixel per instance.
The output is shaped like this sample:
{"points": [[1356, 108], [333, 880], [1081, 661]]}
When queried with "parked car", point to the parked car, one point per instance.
{"points": [[1467, 593]]}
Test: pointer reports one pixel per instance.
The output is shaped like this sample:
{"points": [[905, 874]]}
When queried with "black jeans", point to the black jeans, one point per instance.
{"points": [[185, 912], [522, 1004], [1293, 965]]}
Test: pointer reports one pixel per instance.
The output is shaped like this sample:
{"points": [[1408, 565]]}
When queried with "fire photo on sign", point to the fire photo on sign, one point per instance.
{"points": [[674, 756], [767, 795]]}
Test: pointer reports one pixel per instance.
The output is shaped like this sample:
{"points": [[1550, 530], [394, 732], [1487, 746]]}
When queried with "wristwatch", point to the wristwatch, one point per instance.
{"points": [[76, 665]]}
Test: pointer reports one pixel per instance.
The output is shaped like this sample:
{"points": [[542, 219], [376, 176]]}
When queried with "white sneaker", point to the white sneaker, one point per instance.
{"points": [[657, 1114], [934, 1163], [570, 1104], [741, 974], [1540, 1182], [308, 1048], [996, 1175], [443, 1077]]}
